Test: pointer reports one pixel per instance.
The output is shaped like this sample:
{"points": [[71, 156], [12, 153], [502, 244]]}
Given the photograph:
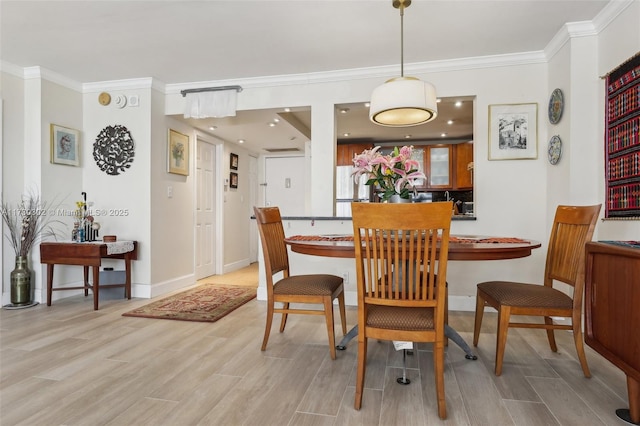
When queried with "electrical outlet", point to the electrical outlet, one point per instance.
{"points": [[345, 277]]}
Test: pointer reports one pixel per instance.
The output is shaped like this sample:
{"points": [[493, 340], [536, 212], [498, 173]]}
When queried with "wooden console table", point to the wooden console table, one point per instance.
{"points": [[86, 255], [612, 314]]}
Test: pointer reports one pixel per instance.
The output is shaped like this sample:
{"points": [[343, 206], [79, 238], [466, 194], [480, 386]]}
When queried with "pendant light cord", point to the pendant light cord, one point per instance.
{"points": [[401, 39]]}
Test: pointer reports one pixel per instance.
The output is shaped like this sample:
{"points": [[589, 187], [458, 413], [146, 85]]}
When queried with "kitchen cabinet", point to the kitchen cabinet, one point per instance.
{"points": [[612, 317], [439, 166], [346, 152], [463, 157]]}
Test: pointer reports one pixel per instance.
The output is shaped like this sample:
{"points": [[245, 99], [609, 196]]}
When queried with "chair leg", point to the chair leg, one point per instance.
{"points": [[343, 313], [283, 323], [478, 320], [438, 367], [551, 334], [577, 337], [328, 316], [267, 327], [362, 367], [504, 314]]}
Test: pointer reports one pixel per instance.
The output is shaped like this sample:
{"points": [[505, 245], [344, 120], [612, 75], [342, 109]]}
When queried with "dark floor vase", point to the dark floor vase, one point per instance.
{"points": [[21, 283]]}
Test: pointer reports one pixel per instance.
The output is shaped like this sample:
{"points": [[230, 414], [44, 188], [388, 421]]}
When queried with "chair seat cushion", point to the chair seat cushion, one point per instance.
{"points": [[397, 318], [308, 285], [526, 295]]}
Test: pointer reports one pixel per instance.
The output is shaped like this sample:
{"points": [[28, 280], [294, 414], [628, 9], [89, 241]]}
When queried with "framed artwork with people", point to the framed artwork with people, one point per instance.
{"points": [[65, 145]]}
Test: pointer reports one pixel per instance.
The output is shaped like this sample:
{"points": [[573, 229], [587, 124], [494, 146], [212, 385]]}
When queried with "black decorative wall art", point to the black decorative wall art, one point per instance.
{"points": [[113, 149]]}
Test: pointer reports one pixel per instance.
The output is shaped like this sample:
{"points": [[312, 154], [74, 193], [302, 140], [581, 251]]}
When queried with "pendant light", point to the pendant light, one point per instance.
{"points": [[403, 101]]}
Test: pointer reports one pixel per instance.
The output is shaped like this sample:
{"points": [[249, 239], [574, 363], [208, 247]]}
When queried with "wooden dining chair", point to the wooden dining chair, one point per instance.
{"points": [[572, 228], [399, 298], [320, 289]]}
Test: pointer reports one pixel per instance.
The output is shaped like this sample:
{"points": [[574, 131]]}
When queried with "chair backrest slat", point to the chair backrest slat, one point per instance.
{"points": [[401, 252], [272, 237], [573, 227]]}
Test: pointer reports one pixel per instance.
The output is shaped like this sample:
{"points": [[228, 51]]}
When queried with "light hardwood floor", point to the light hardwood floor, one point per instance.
{"points": [[70, 365]]}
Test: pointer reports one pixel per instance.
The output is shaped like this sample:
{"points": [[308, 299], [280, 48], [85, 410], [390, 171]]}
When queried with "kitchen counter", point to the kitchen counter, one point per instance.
{"points": [[454, 217]]}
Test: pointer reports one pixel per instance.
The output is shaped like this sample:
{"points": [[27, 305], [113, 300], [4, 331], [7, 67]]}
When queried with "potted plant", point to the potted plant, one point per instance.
{"points": [[26, 223], [394, 174]]}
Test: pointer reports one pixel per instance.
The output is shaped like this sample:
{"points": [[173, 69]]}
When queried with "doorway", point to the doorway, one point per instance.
{"points": [[205, 210]]}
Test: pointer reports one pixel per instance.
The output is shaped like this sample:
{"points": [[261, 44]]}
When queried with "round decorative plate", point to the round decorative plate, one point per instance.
{"points": [[114, 149], [555, 149], [556, 105], [104, 98]]}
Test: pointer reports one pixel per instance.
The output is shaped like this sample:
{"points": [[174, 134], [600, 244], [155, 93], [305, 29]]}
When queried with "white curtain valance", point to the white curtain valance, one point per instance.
{"points": [[219, 103]]}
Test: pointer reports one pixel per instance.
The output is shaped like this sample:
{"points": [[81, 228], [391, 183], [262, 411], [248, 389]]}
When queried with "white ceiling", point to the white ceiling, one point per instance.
{"points": [[180, 41]]}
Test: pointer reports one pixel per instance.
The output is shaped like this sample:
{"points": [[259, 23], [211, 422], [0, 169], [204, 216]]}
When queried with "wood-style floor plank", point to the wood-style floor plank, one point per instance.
{"points": [[70, 365]]}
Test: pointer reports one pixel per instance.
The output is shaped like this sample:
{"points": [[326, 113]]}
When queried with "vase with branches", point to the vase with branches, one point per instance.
{"points": [[29, 221]]}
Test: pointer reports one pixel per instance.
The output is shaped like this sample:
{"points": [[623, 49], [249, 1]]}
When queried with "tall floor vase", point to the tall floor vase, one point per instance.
{"points": [[21, 283]]}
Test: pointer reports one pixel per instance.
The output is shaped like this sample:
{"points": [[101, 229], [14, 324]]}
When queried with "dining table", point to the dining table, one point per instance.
{"points": [[461, 247]]}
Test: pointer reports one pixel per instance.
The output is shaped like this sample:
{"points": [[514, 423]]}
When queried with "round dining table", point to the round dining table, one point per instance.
{"points": [[461, 247]]}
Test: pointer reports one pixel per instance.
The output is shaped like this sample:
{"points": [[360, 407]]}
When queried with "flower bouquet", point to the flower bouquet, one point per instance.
{"points": [[394, 174]]}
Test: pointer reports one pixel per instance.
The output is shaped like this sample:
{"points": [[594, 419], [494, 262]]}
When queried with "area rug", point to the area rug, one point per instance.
{"points": [[205, 303]]}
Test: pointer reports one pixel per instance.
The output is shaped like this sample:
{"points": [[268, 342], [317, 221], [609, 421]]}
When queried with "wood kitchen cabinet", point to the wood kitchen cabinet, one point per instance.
{"points": [[612, 316], [463, 177], [346, 152]]}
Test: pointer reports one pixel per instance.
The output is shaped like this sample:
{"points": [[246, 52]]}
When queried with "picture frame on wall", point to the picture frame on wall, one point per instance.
{"points": [[513, 131], [65, 145], [178, 153], [233, 180], [233, 161]]}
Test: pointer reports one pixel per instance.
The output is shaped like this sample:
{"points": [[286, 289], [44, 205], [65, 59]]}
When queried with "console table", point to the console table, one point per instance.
{"points": [[89, 254], [612, 317]]}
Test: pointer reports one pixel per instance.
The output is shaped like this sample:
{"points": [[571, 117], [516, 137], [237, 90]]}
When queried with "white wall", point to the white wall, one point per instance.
{"points": [[513, 198], [619, 41]]}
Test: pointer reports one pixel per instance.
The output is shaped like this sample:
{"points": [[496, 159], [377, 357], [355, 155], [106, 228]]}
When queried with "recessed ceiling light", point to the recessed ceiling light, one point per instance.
{"points": [[438, 100], [443, 135], [346, 135], [367, 104], [287, 109], [344, 110], [276, 120], [212, 127], [458, 104], [450, 122], [272, 124], [407, 136], [240, 140]]}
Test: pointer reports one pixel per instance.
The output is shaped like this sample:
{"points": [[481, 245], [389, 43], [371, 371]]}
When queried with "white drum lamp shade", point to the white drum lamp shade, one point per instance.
{"points": [[403, 102]]}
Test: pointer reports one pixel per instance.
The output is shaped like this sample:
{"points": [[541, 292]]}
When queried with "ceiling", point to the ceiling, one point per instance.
{"points": [[180, 42]]}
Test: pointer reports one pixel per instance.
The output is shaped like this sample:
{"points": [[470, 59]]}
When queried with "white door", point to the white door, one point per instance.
{"points": [[285, 184], [205, 213]]}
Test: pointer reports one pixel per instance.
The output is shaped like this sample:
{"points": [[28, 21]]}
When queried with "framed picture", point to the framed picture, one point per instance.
{"points": [[65, 145], [513, 132], [178, 153], [233, 180], [233, 162]]}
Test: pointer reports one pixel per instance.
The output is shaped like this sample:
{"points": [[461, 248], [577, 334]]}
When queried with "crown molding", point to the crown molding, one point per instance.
{"points": [[370, 72], [128, 84]]}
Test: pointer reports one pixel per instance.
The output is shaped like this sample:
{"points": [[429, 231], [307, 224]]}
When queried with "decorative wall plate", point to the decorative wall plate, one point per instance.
{"points": [[556, 106], [113, 149], [104, 98], [555, 149]]}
